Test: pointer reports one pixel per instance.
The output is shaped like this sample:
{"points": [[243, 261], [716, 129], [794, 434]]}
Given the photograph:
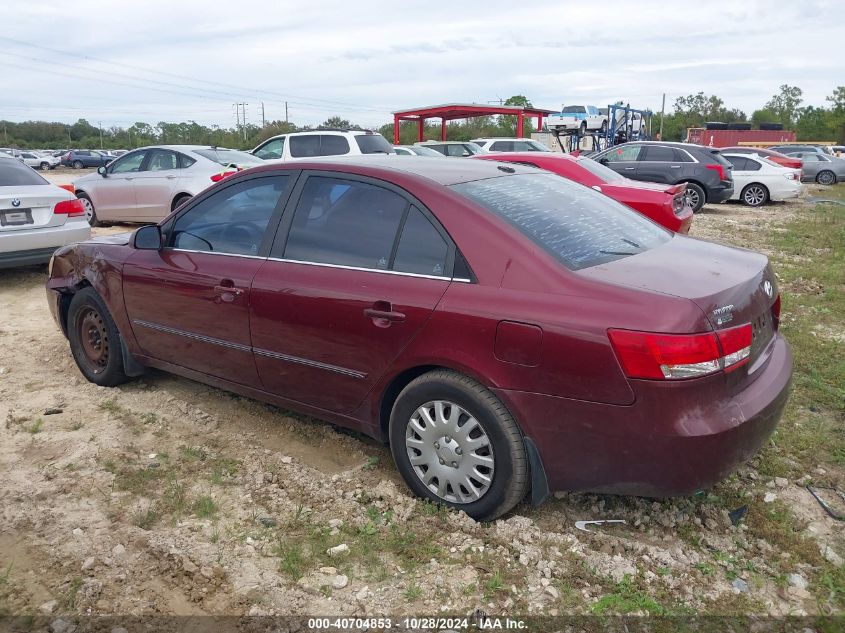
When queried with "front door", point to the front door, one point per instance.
{"points": [[114, 194], [622, 159], [155, 184], [659, 163], [358, 276], [189, 302]]}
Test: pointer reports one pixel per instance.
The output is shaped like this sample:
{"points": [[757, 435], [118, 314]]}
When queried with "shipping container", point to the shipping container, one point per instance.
{"points": [[732, 138]]}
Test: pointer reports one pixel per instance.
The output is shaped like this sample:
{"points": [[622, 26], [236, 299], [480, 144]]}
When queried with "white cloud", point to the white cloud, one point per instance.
{"points": [[363, 59]]}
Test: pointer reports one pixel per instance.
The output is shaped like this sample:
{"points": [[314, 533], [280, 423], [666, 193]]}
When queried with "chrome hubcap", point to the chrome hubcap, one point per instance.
{"points": [[692, 196], [826, 178], [450, 452], [754, 196], [89, 209]]}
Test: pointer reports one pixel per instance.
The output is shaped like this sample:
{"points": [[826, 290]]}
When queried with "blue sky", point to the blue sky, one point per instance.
{"points": [[117, 63]]}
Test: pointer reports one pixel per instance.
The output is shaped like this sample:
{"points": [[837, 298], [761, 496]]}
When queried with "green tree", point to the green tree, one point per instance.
{"points": [[785, 105]]}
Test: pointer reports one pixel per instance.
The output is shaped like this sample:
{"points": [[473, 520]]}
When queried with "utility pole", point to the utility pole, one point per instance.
{"points": [[237, 116], [263, 122], [243, 118], [286, 111], [662, 115], [100, 125]]}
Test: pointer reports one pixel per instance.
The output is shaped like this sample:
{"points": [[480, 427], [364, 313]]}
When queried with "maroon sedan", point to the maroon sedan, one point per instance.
{"points": [[504, 329], [665, 204]]}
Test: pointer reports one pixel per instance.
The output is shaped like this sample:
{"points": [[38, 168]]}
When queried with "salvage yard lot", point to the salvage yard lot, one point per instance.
{"points": [[167, 496]]}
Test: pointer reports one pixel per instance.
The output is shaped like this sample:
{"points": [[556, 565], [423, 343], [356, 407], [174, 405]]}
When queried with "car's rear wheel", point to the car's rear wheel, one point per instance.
{"points": [[455, 443], [696, 196], [94, 339], [755, 195], [44, 166], [583, 128], [826, 177], [77, 164], [90, 212]]}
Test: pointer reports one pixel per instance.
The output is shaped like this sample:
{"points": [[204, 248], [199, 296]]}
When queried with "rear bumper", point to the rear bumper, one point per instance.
{"points": [[674, 440], [720, 193], [791, 190], [34, 246], [26, 258]]}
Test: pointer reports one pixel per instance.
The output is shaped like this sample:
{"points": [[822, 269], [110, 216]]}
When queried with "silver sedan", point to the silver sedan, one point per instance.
{"points": [[146, 184], [823, 169]]}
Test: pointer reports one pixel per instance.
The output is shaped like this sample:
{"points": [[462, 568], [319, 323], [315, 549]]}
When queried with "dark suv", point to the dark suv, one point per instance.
{"points": [[79, 158], [704, 169]]}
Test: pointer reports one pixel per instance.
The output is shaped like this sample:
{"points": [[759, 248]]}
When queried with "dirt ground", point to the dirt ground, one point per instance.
{"points": [[164, 496]]}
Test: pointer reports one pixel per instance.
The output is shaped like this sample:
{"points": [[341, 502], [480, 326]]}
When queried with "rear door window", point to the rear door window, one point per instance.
{"points": [[739, 162], [346, 223], [576, 225], [304, 146], [333, 145], [658, 154]]}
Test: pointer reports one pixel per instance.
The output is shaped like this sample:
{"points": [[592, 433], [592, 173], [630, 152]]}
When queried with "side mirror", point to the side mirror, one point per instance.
{"points": [[603, 160], [147, 238], [102, 170]]}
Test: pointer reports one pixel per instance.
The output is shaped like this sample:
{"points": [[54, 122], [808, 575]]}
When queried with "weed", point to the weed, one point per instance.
{"points": [[413, 592], [372, 462], [67, 601], [493, 585], [36, 426], [292, 560], [205, 507], [145, 518], [626, 597]]}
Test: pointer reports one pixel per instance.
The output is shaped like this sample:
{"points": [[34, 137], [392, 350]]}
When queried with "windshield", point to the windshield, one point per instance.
{"points": [[373, 144], [14, 173], [598, 170], [578, 226], [223, 156]]}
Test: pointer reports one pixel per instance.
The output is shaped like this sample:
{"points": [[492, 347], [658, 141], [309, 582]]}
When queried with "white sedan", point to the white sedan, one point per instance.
{"points": [[758, 180], [36, 217], [147, 184]]}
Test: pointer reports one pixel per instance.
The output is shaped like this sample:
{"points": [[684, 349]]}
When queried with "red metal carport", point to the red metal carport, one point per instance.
{"points": [[452, 111]]}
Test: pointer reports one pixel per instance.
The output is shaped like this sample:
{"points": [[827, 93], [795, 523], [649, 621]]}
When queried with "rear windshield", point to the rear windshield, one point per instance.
{"points": [[228, 156], [14, 173], [578, 226], [373, 144], [574, 110]]}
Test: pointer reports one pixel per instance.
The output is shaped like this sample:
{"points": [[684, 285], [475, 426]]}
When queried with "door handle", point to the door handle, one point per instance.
{"points": [[630, 168], [171, 177], [674, 166], [383, 314], [227, 290]]}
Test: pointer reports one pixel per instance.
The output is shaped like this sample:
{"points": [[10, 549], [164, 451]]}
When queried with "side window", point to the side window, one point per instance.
{"points": [[658, 153], [185, 161], [752, 165], [503, 146], [682, 157], [304, 146], [524, 146], [273, 149], [233, 220], [333, 145], [129, 163], [422, 250], [345, 222], [737, 161], [456, 150], [623, 153], [162, 160]]}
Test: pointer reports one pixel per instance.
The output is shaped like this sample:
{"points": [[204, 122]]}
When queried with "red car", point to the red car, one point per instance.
{"points": [[776, 157], [504, 329], [665, 204]]}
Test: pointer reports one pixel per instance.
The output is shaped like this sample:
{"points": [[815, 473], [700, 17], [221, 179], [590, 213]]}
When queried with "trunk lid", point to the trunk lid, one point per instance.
{"points": [[30, 207], [732, 286]]}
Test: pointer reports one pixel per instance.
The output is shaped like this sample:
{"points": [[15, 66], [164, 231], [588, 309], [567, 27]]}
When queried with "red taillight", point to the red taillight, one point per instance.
{"points": [[676, 356], [223, 174], [720, 169], [67, 188], [776, 313], [70, 208]]}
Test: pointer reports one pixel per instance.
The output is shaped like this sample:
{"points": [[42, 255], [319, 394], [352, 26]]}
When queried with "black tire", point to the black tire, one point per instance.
{"points": [[77, 164], [45, 166], [511, 473], [604, 127], [94, 339], [90, 211], [179, 201], [696, 196], [583, 130], [754, 195], [826, 177]]}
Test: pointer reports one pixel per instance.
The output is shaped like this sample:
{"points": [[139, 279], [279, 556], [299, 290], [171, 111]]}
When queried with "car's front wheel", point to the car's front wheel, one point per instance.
{"points": [[826, 177], [77, 164], [94, 339], [455, 443], [755, 195], [696, 196], [45, 166], [90, 212]]}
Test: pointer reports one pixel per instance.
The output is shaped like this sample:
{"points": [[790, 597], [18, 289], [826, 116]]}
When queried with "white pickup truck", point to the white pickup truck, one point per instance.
{"points": [[578, 117]]}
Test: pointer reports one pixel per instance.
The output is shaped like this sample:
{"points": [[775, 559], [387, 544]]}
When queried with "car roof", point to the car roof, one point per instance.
{"points": [[500, 138], [444, 172]]}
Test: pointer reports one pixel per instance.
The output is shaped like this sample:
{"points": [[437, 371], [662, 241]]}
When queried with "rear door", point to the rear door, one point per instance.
{"points": [[155, 184], [659, 163], [189, 302], [623, 159], [355, 273]]}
